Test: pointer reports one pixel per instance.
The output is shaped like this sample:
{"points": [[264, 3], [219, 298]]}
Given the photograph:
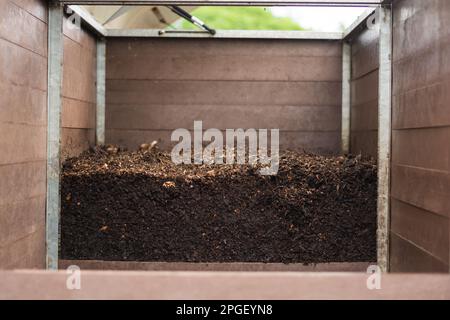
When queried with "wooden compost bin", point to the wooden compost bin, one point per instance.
{"points": [[321, 105]]}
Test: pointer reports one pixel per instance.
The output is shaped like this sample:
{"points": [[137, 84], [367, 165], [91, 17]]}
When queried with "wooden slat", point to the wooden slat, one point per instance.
{"points": [[365, 89], [74, 141], [426, 189], [425, 148], [221, 286], [22, 105], [365, 116], [223, 93], [22, 143], [223, 47], [78, 114], [20, 27], [171, 117], [364, 101], [22, 67], [20, 219], [25, 253], [408, 258], [79, 91], [365, 53], [23, 121], [426, 230], [364, 143]]}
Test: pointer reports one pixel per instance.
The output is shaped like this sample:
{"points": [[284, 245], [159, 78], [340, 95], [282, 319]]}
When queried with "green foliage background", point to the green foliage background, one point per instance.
{"points": [[239, 18]]}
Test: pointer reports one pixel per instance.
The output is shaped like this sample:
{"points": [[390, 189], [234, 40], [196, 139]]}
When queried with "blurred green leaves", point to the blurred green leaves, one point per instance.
{"points": [[239, 18]]}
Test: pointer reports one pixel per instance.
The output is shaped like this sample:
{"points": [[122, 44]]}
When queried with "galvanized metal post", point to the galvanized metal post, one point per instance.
{"points": [[55, 59], [384, 135], [101, 83], [346, 96]]}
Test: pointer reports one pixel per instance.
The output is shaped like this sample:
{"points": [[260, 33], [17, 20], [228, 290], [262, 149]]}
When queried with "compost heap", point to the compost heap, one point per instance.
{"points": [[139, 206]]}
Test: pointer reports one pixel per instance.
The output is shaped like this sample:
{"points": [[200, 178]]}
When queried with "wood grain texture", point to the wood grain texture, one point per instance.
{"points": [[23, 128], [79, 91], [364, 94], [421, 135], [23, 123], [157, 85]]}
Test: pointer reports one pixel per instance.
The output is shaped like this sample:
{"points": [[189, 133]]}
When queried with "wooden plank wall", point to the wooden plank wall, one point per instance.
{"points": [[421, 137], [79, 91], [364, 101], [157, 85], [23, 123], [23, 126]]}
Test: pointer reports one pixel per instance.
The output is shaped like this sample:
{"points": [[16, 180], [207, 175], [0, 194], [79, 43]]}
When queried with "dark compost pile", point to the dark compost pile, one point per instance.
{"points": [[139, 206]]}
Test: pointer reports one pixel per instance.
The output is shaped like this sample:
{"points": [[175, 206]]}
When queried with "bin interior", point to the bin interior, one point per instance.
{"points": [[137, 206]]}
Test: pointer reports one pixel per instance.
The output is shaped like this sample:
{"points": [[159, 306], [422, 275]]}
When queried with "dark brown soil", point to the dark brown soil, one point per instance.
{"points": [[139, 206]]}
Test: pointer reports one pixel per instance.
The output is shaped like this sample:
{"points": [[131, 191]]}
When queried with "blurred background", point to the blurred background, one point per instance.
{"points": [[326, 19]]}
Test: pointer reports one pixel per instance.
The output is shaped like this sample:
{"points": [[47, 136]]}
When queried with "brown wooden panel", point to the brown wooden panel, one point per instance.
{"points": [[364, 94], [25, 253], [426, 148], [22, 105], [22, 67], [417, 71], [78, 114], [425, 229], [23, 131], [354, 267], [37, 8], [21, 219], [246, 67], [411, 18], [364, 143], [120, 47], [223, 93], [120, 285], [422, 108], [421, 121], [75, 141], [79, 91], [79, 72], [163, 84], [364, 117], [23, 29], [426, 189], [170, 117], [421, 101], [20, 182], [319, 142], [365, 58], [407, 258], [365, 89], [21, 143]]}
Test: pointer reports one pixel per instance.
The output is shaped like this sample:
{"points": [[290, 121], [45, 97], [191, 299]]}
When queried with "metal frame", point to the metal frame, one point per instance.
{"points": [[89, 20], [361, 3], [384, 135], [54, 103], [226, 34], [101, 89], [346, 96], [358, 25], [55, 57]]}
